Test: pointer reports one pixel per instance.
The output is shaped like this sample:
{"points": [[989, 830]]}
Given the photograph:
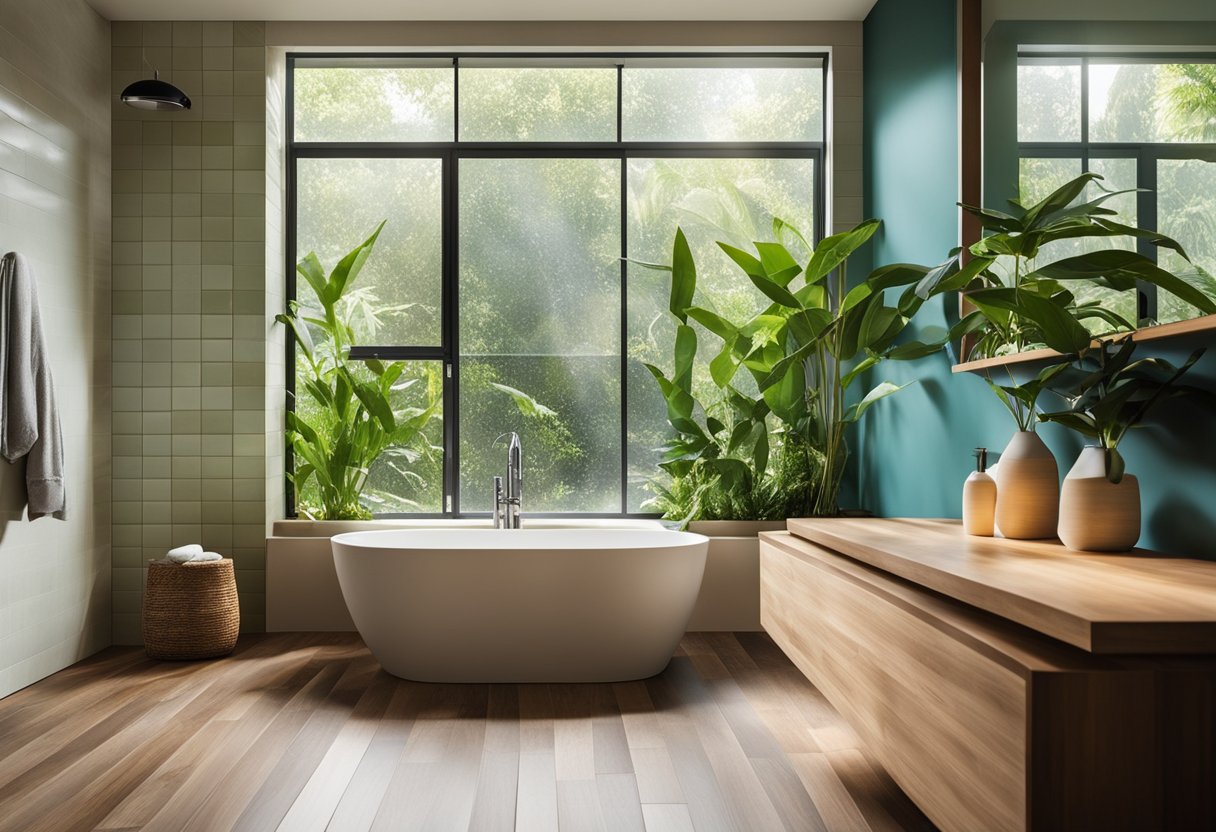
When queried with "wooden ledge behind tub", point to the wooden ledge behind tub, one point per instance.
{"points": [[985, 723]]}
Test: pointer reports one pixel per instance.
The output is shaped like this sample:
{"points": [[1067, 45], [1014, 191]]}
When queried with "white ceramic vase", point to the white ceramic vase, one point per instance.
{"points": [[1027, 489], [1097, 515]]}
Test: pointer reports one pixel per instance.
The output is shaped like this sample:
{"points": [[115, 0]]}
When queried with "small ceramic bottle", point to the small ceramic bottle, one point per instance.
{"points": [[979, 498]]}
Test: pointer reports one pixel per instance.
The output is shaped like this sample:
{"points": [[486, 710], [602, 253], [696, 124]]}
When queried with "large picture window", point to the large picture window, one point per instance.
{"points": [[1142, 122], [516, 191]]}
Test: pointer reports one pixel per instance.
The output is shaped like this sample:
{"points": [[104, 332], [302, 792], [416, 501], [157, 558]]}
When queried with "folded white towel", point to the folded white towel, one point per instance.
{"points": [[206, 556], [185, 553]]}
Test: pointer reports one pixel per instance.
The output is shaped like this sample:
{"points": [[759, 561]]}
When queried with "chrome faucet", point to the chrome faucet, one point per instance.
{"points": [[507, 504]]}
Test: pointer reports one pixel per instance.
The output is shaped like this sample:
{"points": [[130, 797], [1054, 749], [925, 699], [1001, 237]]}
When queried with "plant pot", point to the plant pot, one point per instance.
{"points": [[1097, 515], [1027, 489], [730, 589]]}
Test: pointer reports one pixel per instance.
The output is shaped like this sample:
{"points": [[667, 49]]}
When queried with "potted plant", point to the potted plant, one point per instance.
{"points": [[754, 459], [1024, 304], [1109, 394], [350, 416]]}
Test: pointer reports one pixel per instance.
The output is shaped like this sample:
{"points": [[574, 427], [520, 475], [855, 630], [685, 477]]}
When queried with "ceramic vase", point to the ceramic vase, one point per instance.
{"points": [[1027, 489], [1097, 515]]}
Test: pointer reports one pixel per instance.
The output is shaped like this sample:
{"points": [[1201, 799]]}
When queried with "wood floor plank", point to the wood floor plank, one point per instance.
{"points": [[609, 743], [667, 817], [316, 802], [494, 808], [536, 805], [656, 776], [304, 732], [578, 807], [300, 759], [357, 808], [620, 805], [230, 770], [643, 729], [573, 735], [746, 800], [535, 719], [85, 791], [836, 806]]}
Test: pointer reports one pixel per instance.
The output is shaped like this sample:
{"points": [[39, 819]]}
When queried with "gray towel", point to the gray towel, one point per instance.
{"points": [[29, 420]]}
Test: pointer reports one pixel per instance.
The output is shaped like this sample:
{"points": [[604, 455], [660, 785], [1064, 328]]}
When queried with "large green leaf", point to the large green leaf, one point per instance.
{"points": [[348, 267], [1113, 264], [1060, 330], [834, 250], [1058, 199], [886, 388], [778, 264], [715, 323], [685, 353], [683, 276], [748, 262], [314, 273], [775, 291]]}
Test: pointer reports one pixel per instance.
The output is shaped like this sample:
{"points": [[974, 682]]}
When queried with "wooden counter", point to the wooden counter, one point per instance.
{"points": [[981, 711], [1140, 602]]}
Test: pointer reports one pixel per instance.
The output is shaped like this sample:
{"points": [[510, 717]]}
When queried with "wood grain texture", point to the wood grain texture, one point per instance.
{"points": [[985, 723], [1157, 332], [304, 731], [1139, 602]]}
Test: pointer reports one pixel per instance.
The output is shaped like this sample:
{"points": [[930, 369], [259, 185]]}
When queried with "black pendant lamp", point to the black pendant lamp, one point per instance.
{"points": [[155, 94]]}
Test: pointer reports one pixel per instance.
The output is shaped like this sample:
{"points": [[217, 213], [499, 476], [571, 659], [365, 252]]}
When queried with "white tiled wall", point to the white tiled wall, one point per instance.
{"points": [[55, 209], [189, 304]]}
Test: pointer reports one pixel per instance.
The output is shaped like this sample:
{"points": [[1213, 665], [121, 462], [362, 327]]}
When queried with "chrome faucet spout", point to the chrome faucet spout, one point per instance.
{"points": [[507, 501]]}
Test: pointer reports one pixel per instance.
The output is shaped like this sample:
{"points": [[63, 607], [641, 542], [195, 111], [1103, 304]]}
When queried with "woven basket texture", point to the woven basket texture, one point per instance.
{"points": [[190, 610]]}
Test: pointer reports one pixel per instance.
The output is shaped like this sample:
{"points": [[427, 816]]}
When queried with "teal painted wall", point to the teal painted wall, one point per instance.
{"points": [[913, 451]]}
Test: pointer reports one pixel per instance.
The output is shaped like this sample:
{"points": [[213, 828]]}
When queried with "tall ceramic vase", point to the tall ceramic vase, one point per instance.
{"points": [[1027, 489], [1097, 515]]}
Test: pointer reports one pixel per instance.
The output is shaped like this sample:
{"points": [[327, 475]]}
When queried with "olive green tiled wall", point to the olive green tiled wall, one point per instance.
{"points": [[189, 304]]}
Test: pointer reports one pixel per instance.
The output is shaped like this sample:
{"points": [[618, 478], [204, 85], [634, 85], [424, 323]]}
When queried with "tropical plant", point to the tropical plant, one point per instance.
{"points": [[1109, 394], [802, 353], [1190, 98], [1021, 400], [1022, 304], [353, 420]]}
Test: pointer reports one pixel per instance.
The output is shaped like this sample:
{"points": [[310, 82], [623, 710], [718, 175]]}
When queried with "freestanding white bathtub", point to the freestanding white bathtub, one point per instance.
{"points": [[521, 605]]}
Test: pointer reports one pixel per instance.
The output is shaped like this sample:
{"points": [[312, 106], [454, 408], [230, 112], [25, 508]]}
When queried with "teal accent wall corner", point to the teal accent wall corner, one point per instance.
{"points": [[914, 450]]}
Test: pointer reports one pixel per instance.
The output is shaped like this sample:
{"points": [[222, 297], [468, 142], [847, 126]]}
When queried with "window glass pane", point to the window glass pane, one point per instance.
{"points": [[715, 104], [537, 104], [1039, 177], [406, 478], [1186, 211], [1142, 102], [339, 202], [1049, 100], [373, 104], [732, 200], [540, 329]]}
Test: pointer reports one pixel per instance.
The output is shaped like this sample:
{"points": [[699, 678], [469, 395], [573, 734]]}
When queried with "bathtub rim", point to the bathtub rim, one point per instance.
{"points": [[564, 539]]}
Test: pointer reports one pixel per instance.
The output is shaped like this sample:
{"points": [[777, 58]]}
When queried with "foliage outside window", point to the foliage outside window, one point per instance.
{"points": [[1140, 122], [518, 193]]}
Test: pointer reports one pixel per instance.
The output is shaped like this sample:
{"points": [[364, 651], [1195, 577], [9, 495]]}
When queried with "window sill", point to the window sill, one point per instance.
{"points": [[1207, 323]]}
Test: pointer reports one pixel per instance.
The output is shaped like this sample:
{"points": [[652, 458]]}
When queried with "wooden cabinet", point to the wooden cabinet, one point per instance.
{"points": [[986, 723]]}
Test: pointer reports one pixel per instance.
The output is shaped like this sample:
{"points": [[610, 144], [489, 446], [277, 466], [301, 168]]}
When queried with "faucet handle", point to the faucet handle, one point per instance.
{"points": [[498, 503]]}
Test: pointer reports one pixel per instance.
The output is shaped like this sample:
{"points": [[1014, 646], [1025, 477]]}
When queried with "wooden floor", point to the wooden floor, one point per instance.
{"points": [[304, 731]]}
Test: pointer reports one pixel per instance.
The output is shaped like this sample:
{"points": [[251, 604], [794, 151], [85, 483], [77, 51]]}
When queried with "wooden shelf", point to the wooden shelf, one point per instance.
{"points": [[1207, 323], [1139, 602]]}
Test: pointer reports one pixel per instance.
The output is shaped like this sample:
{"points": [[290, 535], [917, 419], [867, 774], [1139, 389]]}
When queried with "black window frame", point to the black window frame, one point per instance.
{"points": [[450, 153], [1146, 154]]}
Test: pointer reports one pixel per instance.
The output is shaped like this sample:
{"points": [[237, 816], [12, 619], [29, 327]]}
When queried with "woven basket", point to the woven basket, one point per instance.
{"points": [[190, 610]]}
